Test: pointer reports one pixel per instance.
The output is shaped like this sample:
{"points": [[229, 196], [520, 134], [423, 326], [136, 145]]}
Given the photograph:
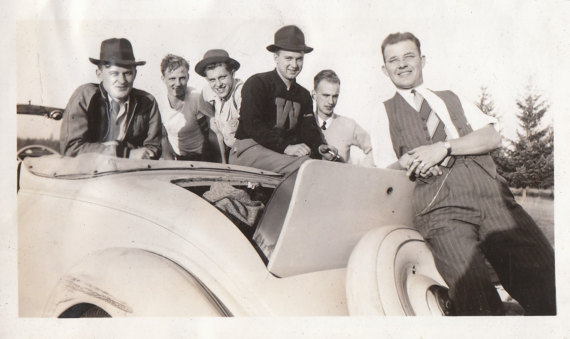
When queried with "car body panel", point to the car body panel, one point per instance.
{"points": [[64, 219], [331, 208]]}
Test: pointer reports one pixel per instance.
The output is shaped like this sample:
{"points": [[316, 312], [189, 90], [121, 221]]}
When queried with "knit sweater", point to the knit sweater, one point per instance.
{"points": [[276, 117]]}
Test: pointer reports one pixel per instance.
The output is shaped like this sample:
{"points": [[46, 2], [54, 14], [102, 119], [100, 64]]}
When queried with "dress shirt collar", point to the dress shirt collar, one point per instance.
{"points": [[328, 120], [409, 96], [123, 106]]}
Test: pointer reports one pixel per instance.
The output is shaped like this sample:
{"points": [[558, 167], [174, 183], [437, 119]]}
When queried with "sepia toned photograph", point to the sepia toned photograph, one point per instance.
{"points": [[309, 169]]}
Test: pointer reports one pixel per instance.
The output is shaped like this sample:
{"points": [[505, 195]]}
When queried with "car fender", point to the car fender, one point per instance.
{"points": [[50, 246], [133, 282]]}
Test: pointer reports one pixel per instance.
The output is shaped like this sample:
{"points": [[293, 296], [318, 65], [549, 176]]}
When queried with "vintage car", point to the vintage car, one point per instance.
{"points": [[103, 236]]}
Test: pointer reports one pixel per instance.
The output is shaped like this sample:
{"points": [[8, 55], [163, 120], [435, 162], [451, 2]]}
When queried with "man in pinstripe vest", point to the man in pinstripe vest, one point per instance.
{"points": [[463, 208]]}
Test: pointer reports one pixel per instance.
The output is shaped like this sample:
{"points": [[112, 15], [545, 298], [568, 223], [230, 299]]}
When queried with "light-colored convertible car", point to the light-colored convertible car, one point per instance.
{"points": [[102, 236]]}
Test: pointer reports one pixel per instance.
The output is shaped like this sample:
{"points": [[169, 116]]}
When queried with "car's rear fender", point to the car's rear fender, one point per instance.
{"points": [[57, 231], [133, 282]]}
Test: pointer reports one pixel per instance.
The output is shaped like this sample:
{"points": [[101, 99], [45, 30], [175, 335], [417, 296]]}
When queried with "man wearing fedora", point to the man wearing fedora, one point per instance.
{"points": [[224, 94], [112, 117], [184, 113], [277, 130]]}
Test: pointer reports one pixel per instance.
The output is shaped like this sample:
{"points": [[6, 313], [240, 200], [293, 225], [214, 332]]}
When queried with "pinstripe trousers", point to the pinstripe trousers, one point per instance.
{"points": [[467, 216]]}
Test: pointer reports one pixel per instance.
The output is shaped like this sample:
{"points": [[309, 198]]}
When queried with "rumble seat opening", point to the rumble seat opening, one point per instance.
{"points": [[241, 201], [274, 193]]}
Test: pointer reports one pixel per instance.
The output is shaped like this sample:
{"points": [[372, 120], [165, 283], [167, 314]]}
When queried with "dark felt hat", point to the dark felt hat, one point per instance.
{"points": [[289, 38], [215, 56], [117, 52]]}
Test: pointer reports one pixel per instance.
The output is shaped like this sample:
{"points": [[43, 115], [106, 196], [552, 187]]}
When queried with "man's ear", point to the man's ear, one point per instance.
{"points": [[98, 73], [313, 94], [385, 71], [423, 61]]}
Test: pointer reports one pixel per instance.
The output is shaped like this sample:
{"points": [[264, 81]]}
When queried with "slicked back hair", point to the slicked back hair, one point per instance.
{"points": [[171, 62], [328, 75], [394, 38]]}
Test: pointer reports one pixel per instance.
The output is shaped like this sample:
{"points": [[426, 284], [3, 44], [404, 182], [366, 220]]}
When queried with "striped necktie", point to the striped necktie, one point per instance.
{"points": [[435, 127], [324, 125]]}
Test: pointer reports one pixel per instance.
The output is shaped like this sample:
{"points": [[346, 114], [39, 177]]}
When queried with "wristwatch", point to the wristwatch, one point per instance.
{"points": [[447, 146]]}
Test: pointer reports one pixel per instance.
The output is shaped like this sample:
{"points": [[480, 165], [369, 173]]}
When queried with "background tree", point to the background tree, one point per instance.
{"points": [[486, 104], [531, 156]]}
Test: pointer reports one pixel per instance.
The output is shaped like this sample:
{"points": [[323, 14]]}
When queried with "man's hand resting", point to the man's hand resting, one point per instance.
{"points": [[140, 153], [297, 150], [330, 153]]}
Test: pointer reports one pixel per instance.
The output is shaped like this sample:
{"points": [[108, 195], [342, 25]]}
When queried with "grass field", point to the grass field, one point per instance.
{"points": [[542, 211]]}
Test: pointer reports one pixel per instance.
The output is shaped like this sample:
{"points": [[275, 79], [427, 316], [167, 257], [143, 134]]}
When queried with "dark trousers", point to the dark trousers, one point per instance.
{"points": [[467, 216]]}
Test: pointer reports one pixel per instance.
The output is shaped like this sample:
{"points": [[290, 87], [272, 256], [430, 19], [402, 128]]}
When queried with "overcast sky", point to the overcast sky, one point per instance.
{"points": [[467, 44]]}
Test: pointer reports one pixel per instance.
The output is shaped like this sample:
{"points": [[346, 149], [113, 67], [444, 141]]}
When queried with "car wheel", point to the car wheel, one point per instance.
{"points": [[391, 271], [34, 151], [85, 310]]}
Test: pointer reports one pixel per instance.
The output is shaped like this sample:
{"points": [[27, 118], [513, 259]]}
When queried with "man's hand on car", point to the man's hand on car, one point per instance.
{"points": [[298, 150], [140, 153], [330, 153]]}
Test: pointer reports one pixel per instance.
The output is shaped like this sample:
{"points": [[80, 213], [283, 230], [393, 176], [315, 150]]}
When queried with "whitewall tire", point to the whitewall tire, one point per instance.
{"points": [[391, 272]]}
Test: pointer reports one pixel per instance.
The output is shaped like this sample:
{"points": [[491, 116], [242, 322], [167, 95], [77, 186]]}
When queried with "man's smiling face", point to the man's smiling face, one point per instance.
{"points": [[289, 63], [176, 81], [117, 80], [221, 80], [403, 64]]}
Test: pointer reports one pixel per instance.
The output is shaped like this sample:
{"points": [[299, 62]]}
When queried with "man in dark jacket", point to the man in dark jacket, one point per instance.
{"points": [[112, 117], [277, 130]]}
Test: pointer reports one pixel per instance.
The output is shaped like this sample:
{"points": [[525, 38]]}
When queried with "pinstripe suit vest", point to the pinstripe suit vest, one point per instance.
{"points": [[408, 130]]}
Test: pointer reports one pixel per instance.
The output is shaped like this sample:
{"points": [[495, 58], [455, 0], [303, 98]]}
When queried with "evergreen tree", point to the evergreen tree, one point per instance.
{"points": [[487, 106], [486, 103], [531, 158]]}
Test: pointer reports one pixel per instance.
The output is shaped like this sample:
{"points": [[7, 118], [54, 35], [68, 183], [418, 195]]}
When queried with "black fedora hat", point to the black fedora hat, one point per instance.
{"points": [[117, 52], [289, 38], [215, 56]]}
